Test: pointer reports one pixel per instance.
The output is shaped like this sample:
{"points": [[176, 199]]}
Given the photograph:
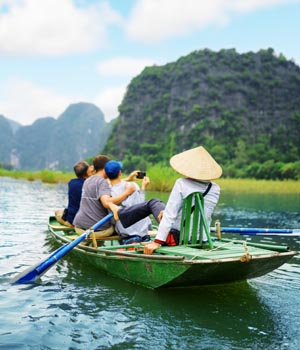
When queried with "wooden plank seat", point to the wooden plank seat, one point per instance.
{"points": [[109, 238], [96, 242]]}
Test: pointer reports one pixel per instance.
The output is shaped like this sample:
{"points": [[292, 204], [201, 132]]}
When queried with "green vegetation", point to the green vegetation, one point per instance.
{"points": [[163, 179], [243, 108], [46, 176], [259, 186]]}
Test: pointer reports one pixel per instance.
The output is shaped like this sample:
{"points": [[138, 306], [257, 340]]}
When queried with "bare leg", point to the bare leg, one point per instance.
{"points": [[114, 209]]}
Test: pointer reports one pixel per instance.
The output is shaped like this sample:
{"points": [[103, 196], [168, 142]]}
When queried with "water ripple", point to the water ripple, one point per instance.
{"points": [[77, 307]]}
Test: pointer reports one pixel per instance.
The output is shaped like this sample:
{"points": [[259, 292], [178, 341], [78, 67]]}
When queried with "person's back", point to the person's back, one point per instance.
{"points": [[66, 216], [91, 209], [95, 200], [74, 194], [171, 219], [199, 168]]}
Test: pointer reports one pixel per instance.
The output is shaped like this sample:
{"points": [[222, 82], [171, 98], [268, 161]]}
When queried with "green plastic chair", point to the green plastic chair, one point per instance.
{"points": [[193, 221]]}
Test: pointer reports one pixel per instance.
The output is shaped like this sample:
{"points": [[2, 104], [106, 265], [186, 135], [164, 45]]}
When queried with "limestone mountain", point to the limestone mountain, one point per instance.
{"points": [[6, 136], [244, 108], [78, 133]]}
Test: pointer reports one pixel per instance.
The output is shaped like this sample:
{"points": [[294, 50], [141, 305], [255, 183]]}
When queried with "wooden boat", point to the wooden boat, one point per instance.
{"points": [[188, 264], [268, 236]]}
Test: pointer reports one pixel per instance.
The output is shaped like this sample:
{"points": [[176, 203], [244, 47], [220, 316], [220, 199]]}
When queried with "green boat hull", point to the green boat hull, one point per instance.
{"points": [[179, 266], [167, 273]]}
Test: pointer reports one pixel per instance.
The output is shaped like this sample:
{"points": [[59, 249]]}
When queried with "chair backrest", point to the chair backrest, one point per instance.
{"points": [[193, 221]]}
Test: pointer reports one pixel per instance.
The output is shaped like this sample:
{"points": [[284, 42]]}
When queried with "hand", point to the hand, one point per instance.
{"points": [[151, 247], [145, 182], [132, 175]]}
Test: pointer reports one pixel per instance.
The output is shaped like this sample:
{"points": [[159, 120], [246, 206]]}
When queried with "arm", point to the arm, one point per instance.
{"points": [[106, 200], [142, 192], [145, 183], [132, 176], [173, 209]]}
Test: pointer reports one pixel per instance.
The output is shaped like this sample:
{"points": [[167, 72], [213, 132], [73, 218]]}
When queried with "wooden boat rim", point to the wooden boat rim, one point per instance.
{"points": [[179, 258], [185, 260]]}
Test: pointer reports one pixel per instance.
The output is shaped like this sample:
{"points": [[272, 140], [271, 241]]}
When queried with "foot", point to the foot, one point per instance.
{"points": [[160, 215], [114, 209]]}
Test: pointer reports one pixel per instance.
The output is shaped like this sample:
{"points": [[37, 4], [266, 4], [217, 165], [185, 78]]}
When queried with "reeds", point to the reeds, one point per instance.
{"points": [[47, 176], [163, 178], [259, 186]]}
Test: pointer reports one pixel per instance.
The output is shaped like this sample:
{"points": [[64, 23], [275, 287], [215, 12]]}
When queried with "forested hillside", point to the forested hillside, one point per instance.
{"points": [[244, 108]]}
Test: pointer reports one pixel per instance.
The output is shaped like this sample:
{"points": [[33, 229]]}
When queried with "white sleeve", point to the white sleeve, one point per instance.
{"points": [[171, 213]]}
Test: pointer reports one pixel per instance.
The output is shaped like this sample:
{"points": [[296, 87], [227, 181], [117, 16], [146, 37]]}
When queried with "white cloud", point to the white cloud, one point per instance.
{"points": [[123, 66], [24, 102], [157, 20], [109, 99], [53, 27]]}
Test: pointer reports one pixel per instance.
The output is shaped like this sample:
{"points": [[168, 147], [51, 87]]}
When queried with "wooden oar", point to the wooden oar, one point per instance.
{"points": [[254, 230], [36, 271]]}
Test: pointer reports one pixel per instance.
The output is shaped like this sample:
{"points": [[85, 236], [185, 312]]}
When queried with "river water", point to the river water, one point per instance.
{"points": [[77, 307]]}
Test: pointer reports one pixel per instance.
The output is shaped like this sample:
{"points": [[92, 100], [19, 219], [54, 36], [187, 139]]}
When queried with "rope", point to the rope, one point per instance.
{"points": [[247, 256]]}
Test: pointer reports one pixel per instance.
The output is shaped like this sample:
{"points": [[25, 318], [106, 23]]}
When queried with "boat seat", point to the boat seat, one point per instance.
{"points": [[193, 221], [95, 240]]}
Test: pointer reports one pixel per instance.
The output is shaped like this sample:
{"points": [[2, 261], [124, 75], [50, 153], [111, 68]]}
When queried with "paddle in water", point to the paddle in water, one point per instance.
{"points": [[36, 271], [254, 230]]}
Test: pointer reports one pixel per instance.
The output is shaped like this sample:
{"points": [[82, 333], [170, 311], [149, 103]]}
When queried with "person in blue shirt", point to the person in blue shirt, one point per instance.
{"points": [[66, 216]]}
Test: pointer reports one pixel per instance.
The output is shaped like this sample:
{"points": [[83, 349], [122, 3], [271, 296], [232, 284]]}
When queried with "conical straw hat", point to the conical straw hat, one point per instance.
{"points": [[197, 164]]}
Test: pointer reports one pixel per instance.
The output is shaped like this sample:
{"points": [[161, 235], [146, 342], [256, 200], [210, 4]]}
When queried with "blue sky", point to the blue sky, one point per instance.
{"points": [[57, 52]]}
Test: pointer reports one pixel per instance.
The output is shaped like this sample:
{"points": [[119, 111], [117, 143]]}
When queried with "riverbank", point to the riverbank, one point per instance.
{"points": [[162, 180]]}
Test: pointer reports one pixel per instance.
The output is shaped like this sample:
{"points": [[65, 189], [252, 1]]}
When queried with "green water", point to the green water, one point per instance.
{"points": [[78, 307]]}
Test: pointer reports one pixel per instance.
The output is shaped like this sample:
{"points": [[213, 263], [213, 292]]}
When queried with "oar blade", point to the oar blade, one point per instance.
{"points": [[29, 275], [32, 273]]}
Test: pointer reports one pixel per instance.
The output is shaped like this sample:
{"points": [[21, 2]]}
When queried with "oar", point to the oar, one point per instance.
{"points": [[36, 271], [254, 230]]}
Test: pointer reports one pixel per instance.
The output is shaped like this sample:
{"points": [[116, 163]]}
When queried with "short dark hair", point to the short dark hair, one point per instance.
{"points": [[80, 169], [100, 161]]}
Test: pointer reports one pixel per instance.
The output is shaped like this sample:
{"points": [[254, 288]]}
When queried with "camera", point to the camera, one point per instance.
{"points": [[141, 175]]}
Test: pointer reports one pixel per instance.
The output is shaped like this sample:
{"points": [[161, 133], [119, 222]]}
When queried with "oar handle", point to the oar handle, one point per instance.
{"points": [[66, 248], [102, 221], [254, 230], [32, 273]]}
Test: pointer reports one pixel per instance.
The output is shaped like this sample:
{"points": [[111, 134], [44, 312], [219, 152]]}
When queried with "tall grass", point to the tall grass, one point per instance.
{"points": [[46, 176], [163, 178], [259, 186]]}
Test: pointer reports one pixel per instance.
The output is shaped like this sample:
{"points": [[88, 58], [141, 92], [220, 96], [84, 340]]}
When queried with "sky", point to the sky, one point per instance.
{"points": [[57, 52]]}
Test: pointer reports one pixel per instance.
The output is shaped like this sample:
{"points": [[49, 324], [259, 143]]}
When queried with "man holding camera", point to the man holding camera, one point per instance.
{"points": [[137, 232]]}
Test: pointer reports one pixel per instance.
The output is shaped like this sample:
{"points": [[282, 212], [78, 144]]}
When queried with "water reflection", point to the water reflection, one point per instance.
{"points": [[224, 313], [259, 210], [217, 317], [76, 306]]}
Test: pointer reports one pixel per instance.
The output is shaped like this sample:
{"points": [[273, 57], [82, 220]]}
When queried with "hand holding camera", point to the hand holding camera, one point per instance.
{"points": [[140, 174]]}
